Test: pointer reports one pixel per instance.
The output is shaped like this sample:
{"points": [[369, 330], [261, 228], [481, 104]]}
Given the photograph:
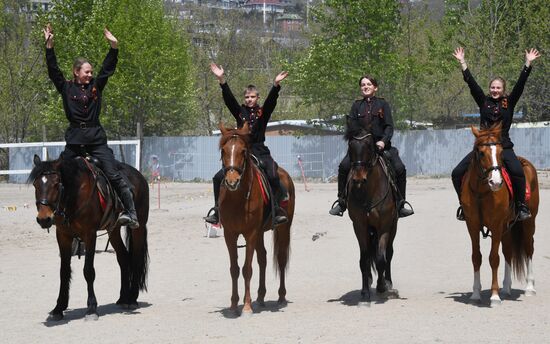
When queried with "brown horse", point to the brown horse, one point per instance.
{"points": [[243, 212], [372, 208], [487, 203], [67, 196]]}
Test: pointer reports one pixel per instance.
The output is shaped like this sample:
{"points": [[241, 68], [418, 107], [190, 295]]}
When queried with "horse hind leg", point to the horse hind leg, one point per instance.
{"points": [[281, 251], [530, 288], [261, 256], [123, 260], [89, 275], [65, 251]]}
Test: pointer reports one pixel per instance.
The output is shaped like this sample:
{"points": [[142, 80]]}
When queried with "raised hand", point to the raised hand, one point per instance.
{"points": [[459, 54], [280, 77], [109, 37], [218, 72], [531, 55], [48, 36]]}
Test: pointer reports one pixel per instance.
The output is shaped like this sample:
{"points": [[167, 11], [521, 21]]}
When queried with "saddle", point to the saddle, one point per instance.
{"points": [[269, 199], [108, 198]]}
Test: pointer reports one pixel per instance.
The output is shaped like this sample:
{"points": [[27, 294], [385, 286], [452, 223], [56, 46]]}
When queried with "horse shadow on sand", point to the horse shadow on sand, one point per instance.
{"points": [[79, 314], [485, 302], [269, 306], [353, 298]]}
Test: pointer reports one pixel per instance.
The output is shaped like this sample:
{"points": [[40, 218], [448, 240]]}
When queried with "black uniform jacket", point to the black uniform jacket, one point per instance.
{"points": [[376, 111], [257, 117], [82, 103], [493, 110]]}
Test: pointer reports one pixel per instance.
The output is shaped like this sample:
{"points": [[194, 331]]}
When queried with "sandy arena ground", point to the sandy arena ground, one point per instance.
{"points": [[189, 281]]}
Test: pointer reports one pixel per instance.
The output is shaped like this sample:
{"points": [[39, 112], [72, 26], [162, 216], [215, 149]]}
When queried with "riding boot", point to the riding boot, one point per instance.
{"points": [[522, 211], [213, 215], [128, 217], [457, 183], [339, 207], [402, 186], [281, 200]]}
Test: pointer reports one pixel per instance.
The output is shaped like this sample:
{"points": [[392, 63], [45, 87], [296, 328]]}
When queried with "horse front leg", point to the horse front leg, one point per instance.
{"points": [[65, 243], [247, 271], [231, 243], [262, 262], [473, 230], [89, 275], [494, 260], [381, 263], [530, 288], [361, 232]]}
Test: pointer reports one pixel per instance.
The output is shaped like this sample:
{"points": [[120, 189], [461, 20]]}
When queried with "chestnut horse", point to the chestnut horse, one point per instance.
{"points": [[372, 208], [66, 195], [243, 212], [487, 203]]}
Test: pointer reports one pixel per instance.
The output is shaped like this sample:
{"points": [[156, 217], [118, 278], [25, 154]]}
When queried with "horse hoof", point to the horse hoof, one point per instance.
{"points": [[530, 292], [55, 317], [495, 301], [282, 301], [91, 317], [260, 303], [364, 304], [246, 313]]}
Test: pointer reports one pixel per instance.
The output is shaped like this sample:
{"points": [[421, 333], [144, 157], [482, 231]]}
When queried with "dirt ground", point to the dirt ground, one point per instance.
{"points": [[189, 281]]}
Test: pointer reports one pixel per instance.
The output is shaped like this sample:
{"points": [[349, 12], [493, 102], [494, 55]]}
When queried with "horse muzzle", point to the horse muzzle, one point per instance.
{"points": [[45, 222], [232, 185]]}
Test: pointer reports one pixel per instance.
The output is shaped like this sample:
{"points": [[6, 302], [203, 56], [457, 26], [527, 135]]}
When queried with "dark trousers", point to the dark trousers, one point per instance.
{"points": [[105, 155], [268, 165], [512, 164], [398, 167]]}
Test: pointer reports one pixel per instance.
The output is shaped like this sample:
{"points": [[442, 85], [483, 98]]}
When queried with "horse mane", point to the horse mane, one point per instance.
{"points": [[354, 128], [243, 133], [484, 133]]}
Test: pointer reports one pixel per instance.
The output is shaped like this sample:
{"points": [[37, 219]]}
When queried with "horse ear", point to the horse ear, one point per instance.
{"points": [[36, 160], [475, 131], [246, 127], [222, 128]]}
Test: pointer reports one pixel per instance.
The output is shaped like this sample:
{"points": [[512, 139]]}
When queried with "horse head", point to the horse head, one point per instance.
{"points": [[234, 147], [48, 189], [488, 155], [362, 154]]}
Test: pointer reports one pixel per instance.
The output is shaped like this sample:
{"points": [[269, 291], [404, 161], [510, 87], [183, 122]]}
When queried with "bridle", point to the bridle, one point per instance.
{"points": [[239, 169], [486, 171], [360, 163], [57, 201]]}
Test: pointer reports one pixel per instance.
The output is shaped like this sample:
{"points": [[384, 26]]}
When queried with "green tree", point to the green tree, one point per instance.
{"points": [[153, 84]]}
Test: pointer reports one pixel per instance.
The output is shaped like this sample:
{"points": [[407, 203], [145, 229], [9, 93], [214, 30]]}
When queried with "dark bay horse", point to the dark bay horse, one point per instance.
{"points": [[66, 195], [242, 212], [487, 203], [372, 208]]}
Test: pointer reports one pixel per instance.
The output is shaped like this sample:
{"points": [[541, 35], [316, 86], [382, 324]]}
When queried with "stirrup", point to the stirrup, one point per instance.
{"points": [[280, 216], [212, 218], [336, 209], [460, 214], [125, 219]]}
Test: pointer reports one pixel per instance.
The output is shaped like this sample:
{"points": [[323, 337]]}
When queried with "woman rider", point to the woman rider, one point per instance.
{"points": [[375, 111], [82, 105], [497, 107]]}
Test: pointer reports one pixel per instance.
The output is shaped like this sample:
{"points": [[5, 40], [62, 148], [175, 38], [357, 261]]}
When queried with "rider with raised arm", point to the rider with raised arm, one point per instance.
{"points": [[82, 104], [497, 107], [257, 117]]}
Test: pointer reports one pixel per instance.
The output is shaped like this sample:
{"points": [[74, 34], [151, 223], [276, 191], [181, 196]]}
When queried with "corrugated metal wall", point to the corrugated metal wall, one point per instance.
{"points": [[424, 152]]}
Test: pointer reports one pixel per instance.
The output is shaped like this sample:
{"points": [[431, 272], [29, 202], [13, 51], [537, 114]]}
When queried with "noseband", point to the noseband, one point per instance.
{"points": [[361, 163]]}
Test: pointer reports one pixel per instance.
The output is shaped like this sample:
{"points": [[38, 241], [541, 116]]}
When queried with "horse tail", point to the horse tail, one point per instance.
{"points": [[519, 256], [281, 234], [136, 241]]}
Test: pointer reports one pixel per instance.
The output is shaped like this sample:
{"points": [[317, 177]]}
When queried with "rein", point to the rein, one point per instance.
{"points": [[486, 171]]}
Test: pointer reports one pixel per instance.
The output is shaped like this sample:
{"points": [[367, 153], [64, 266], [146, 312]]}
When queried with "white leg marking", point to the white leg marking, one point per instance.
{"points": [[507, 282], [530, 288]]}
